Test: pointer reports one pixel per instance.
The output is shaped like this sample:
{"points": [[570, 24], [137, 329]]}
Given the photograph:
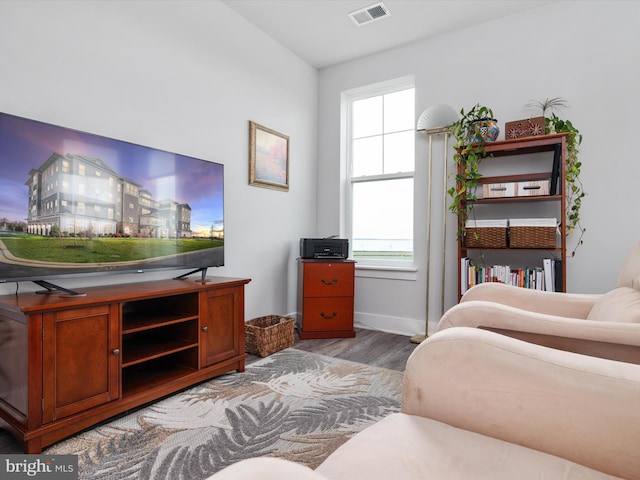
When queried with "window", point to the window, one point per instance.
{"points": [[380, 169]]}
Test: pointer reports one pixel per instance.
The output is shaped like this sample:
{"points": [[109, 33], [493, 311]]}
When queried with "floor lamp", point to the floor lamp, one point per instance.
{"points": [[435, 121]]}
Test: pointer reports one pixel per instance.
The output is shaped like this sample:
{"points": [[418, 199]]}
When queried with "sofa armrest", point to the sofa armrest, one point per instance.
{"points": [[490, 315], [574, 305], [266, 468], [580, 408]]}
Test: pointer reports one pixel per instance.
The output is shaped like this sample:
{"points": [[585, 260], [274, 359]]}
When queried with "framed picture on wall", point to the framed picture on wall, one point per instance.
{"points": [[268, 158]]}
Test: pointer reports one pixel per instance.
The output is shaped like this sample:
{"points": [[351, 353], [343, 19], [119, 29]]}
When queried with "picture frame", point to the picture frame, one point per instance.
{"points": [[268, 158]]}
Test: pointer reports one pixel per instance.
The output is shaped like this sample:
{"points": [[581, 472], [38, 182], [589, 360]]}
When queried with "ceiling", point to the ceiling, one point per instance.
{"points": [[321, 32]]}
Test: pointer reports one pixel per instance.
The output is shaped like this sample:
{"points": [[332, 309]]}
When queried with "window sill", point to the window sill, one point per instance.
{"points": [[387, 272]]}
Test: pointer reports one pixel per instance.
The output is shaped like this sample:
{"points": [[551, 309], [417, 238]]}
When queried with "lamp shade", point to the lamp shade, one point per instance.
{"points": [[437, 116]]}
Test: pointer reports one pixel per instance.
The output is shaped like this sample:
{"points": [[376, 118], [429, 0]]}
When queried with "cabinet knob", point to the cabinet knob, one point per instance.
{"points": [[116, 351], [328, 316], [329, 282], [205, 329]]}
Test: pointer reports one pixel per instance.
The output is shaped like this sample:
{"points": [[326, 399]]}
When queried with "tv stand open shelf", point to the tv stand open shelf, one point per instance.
{"points": [[67, 363]]}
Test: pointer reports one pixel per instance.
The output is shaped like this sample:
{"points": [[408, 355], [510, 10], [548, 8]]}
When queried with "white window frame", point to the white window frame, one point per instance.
{"points": [[373, 268]]}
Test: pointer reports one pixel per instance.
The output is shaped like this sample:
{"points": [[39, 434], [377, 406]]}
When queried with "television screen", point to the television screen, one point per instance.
{"points": [[74, 203]]}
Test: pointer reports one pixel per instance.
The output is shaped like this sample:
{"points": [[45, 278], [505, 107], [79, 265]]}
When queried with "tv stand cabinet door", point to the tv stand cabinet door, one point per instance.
{"points": [[81, 360], [221, 325]]}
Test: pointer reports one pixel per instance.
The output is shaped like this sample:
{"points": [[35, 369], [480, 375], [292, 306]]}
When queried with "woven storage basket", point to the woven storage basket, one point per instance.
{"points": [[486, 234], [266, 335], [532, 233]]}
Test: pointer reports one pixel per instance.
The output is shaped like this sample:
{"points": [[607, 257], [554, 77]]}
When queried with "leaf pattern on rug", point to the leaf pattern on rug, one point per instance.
{"points": [[112, 456], [313, 448], [254, 433], [335, 413], [177, 414], [244, 390], [311, 385], [292, 405], [290, 361]]}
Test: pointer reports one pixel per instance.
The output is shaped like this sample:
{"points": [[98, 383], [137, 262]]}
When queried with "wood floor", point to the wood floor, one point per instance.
{"points": [[378, 349]]}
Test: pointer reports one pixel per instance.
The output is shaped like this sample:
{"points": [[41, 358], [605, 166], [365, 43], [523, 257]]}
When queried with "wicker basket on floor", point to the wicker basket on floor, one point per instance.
{"points": [[267, 335]]}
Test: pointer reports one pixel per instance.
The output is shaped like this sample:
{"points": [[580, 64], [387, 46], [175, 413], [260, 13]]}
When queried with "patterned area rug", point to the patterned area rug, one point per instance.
{"points": [[292, 405]]}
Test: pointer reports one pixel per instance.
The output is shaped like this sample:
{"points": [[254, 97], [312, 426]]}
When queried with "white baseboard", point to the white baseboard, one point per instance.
{"points": [[397, 325], [384, 323]]}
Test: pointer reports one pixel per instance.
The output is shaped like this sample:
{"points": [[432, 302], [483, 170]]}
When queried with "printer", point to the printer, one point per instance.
{"points": [[324, 248]]}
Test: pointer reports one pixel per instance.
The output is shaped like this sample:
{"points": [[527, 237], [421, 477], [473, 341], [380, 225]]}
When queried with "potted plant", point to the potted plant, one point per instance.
{"points": [[470, 131], [476, 126], [574, 189]]}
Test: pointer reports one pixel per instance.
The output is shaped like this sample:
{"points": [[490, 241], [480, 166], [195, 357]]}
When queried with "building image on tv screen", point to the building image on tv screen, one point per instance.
{"points": [[83, 196], [76, 203]]}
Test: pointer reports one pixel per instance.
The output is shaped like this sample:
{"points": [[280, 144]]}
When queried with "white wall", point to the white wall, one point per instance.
{"points": [[584, 51], [188, 76], [182, 76]]}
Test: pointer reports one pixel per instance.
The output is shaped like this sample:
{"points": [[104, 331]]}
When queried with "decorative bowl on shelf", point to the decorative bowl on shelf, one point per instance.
{"points": [[485, 130]]}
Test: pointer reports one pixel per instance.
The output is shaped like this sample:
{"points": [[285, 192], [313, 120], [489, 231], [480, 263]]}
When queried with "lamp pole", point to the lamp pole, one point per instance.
{"points": [[431, 133]]}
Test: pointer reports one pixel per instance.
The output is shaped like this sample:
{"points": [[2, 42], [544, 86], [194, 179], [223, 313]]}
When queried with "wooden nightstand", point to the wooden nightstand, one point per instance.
{"points": [[325, 298]]}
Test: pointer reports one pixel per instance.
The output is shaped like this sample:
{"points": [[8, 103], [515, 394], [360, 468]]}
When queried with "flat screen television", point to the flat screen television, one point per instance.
{"points": [[74, 203]]}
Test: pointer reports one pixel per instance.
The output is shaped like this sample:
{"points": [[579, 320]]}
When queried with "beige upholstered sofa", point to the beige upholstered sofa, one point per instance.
{"points": [[606, 325], [480, 405]]}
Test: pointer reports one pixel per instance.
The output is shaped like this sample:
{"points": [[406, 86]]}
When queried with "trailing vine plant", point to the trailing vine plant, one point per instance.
{"points": [[574, 188], [468, 156]]}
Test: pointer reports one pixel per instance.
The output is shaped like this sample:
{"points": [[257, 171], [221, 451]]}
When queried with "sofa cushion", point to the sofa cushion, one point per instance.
{"points": [[407, 446], [621, 304], [629, 275]]}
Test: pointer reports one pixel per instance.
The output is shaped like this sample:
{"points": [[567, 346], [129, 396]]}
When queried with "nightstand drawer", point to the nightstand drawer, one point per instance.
{"points": [[324, 314], [328, 279]]}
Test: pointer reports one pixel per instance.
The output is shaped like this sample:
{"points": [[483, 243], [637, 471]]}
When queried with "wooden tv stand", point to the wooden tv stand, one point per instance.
{"points": [[67, 363]]}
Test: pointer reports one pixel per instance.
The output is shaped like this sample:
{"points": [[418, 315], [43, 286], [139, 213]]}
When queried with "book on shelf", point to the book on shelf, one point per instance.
{"points": [[464, 274], [554, 187], [538, 278], [557, 265], [549, 274]]}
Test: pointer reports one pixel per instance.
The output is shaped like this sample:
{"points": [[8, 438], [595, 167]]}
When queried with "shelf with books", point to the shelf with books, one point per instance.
{"points": [[548, 277], [521, 179]]}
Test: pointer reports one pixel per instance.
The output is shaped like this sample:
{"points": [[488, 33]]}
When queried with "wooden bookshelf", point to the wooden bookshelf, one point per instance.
{"points": [[520, 160]]}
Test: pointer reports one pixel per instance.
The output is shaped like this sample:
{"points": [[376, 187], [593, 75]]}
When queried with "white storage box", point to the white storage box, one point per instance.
{"points": [[533, 188], [499, 190]]}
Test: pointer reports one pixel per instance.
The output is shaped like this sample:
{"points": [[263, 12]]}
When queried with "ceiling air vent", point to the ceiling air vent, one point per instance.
{"points": [[369, 14]]}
